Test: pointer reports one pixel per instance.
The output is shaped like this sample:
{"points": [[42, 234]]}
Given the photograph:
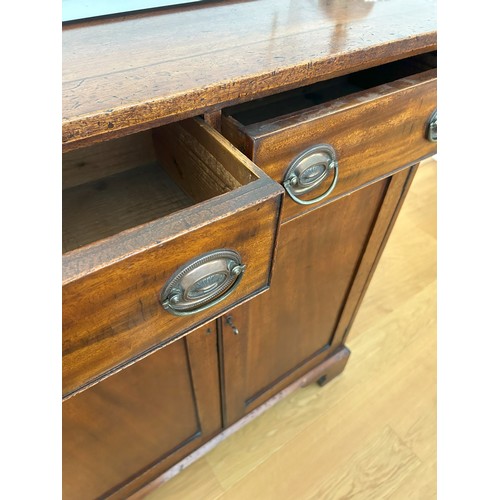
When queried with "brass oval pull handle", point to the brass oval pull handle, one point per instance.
{"points": [[432, 127], [202, 282], [309, 170]]}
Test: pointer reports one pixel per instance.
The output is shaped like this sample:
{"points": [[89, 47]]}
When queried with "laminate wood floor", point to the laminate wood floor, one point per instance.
{"points": [[370, 433]]}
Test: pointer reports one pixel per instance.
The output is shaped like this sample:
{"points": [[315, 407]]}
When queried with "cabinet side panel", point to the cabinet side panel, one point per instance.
{"points": [[399, 186], [293, 323]]}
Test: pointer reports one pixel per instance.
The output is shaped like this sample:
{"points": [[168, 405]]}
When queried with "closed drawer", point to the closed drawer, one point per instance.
{"points": [[329, 139], [162, 231]]}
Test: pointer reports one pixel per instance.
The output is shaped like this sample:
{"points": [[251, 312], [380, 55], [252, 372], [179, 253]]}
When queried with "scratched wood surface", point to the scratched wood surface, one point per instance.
{"points": [[371, 433], [132, 72]]}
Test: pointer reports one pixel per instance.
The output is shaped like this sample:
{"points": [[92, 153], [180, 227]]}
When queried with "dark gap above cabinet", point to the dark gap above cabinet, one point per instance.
{"points": [[295, 100]]}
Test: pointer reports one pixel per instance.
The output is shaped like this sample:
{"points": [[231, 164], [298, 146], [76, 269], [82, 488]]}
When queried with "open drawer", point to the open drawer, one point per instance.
{"points": [[331, 138], [162, 231]]}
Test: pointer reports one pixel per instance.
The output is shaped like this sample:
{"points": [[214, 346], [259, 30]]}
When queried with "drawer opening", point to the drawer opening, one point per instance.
{"points": [[123, 183], [276, 106]]}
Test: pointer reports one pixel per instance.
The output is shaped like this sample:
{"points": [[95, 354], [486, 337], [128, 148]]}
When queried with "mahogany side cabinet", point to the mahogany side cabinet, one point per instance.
{"points": [[231, 173]]}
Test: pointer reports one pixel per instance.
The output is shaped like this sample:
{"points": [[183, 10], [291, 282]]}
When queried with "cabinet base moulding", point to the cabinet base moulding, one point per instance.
{"points": [[322, 374]]}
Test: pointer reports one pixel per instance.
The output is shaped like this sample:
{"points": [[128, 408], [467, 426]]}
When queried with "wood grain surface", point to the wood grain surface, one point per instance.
{"points": [[290, 328], [111, 307], [107, 158], [133, 72], [225, 160], [107, 206], [114, 314], [324, 259], [374, 250], [371, 433], [375, 132], [334, 365], [127, 426]]}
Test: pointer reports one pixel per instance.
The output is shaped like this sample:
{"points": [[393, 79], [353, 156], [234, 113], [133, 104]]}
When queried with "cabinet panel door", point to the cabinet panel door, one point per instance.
{"points": [[321, 259], [135, 424]]}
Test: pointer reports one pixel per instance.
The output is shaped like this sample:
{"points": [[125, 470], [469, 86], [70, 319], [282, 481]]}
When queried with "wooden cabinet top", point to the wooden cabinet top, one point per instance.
{"points": [[132, 72]]}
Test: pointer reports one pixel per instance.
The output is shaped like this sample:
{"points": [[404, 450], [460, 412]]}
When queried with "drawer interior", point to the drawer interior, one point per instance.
{"points": [[123, 183], [296, 100]]}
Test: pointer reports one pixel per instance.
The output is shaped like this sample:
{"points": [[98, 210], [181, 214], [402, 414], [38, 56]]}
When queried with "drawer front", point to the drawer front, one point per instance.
{"points": [[179, 273], [344, 144]]}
